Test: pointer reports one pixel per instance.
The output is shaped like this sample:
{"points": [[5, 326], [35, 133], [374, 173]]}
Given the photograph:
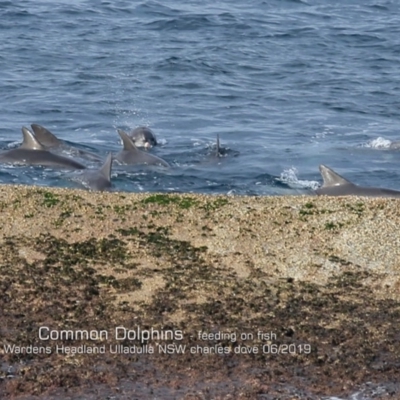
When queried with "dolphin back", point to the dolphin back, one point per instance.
{"points": [[45, 136], [331, 178], [29, 141], [99, 179], [127, 142], [336, 185], [131, 155]]}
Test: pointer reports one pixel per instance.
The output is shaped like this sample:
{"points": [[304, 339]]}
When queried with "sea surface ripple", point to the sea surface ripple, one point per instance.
{"points": [[287, 84]]}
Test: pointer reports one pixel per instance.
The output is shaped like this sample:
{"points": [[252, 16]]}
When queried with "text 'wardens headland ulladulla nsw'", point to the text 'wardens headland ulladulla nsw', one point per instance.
{"points": [[118, 333]]}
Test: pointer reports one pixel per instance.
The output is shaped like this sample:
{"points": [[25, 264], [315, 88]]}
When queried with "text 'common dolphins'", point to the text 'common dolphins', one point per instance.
{"points": [[336, 185], [131, 155], [32, 152]]}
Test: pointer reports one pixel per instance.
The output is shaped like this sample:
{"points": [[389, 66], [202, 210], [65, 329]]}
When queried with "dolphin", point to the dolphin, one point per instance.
{"points": [[143, 136], [216, 153], [130, 154], [32, 152], [219, 151], [336, 185], [50, 141], [395, 145], [98, 179]]}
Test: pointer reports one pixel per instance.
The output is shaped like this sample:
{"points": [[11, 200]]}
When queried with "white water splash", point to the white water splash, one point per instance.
{"points": [[378, 143], [289, 176]]}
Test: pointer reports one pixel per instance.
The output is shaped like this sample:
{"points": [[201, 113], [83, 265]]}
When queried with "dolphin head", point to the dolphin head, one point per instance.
{"points": [[143, 137]]}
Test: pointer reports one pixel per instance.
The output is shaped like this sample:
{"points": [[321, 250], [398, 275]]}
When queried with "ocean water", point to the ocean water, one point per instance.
{"points": [[287, 84]]}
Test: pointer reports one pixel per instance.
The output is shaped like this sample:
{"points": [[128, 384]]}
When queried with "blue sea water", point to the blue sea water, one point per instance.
{"points": [[287, 84]]}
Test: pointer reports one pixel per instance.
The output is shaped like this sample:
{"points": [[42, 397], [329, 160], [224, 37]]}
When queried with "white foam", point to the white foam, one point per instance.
{"points": [[378, 143], [14, 144], [322, 135], [289, 176]]}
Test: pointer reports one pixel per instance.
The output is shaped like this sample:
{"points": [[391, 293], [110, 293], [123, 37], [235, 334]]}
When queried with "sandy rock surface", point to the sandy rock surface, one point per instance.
{"points": [[272, 296]]}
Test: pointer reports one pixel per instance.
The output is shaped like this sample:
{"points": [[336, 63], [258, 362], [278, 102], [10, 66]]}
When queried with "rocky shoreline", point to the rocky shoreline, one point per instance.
{"points": [[268, 297]]}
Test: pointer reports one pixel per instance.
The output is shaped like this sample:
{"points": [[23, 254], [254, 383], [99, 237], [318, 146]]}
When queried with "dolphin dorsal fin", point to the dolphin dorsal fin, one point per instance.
{"points": [[331, 178], [45, 136], [105, 170], [127, 141], [29, 141], [218, 153]]}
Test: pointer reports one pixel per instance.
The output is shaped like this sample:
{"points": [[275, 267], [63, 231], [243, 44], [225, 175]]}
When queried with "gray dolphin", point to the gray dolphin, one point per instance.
{"points": [[50, 141], [99, 179], [395, 145], [130, 154], [219, 151], [336, 185], [216, 153], [143, 136], [32, 152]]}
